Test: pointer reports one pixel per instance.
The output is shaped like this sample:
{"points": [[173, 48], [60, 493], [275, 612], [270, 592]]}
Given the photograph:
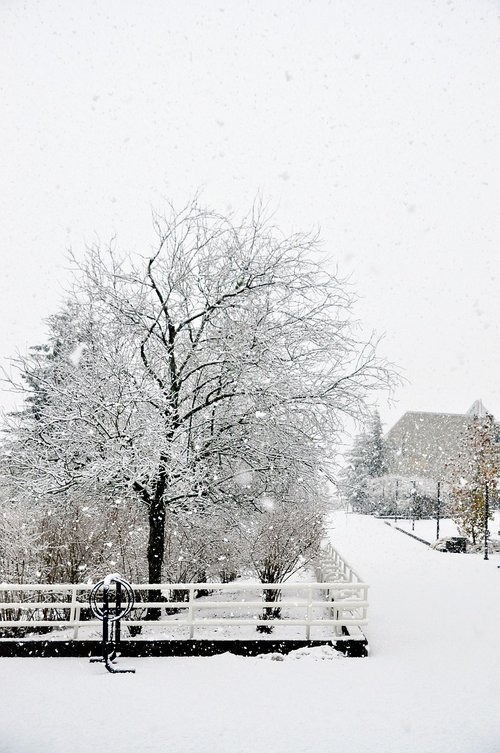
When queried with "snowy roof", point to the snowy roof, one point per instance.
{"points": [[477, 409], [422, 444]]}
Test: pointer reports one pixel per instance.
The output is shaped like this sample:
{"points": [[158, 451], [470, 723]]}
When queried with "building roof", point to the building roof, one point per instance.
{"points": [[477, 409], [423, 444]]}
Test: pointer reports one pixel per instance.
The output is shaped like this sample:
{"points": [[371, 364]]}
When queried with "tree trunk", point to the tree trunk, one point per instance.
{"points": [[156, 550], [270, 613]]}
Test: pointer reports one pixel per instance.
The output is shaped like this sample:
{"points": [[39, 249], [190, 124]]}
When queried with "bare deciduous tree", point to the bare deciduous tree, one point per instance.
{"points": [[227, 351], [284, 539]]}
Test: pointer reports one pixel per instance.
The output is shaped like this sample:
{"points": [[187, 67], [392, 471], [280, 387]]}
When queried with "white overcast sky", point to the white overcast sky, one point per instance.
{"points": [[377, 122]]}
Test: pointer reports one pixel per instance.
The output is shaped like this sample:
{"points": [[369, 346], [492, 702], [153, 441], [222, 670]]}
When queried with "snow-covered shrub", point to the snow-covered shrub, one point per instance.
{"points": [[284, 538], [70, 541], [406, 497]]}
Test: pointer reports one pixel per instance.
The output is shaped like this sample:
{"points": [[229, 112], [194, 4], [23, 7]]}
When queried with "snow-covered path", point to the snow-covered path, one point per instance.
{"points": [[433, 634], [422, 602], [430, 685]]}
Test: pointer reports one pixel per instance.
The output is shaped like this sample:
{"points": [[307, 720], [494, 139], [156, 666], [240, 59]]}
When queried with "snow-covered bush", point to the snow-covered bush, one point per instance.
{"points": [[70, 542], [284, 538]]}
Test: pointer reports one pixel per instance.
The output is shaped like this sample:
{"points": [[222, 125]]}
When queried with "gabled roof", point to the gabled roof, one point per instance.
{"points": [[477, 409]]}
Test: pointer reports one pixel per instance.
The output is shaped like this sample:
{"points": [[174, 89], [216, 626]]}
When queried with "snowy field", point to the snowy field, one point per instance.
{"points": [[431, 683]]}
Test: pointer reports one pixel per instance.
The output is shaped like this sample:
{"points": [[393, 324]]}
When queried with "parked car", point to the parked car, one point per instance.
{"points": [[451, 544]]}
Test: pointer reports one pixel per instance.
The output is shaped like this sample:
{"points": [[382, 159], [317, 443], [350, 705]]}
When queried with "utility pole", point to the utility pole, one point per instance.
{"points": [[438, 508], [486, 516], [413, 496], [396, 502]]}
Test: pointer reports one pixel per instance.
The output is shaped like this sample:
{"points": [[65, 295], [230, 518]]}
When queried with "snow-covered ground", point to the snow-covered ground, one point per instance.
{"points": [[427, 529], [431, 683]]}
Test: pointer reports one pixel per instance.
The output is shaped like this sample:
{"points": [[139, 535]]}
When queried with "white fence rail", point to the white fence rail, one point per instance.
{"points": [[329, 609], [332, 566]]}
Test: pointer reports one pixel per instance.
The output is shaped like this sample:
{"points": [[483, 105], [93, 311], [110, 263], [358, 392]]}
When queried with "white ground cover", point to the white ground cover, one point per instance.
{"points": [[426, 529], [430, 684]]}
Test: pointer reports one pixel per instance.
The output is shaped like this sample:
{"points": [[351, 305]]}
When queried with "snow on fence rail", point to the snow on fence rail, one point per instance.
{"points": [[331, 566], [333, 608]]}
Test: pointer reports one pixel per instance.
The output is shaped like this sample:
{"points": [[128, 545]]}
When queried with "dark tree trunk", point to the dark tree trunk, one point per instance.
{"points": [[270, 613], [156, 550]]}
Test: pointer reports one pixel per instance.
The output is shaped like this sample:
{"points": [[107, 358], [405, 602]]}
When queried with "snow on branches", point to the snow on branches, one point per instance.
{"points": [[227, 353]]}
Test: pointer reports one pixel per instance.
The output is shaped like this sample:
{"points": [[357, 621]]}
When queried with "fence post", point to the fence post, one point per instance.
{"points": [[336, 616], [191, 613], [309, 613], [72, 612]]}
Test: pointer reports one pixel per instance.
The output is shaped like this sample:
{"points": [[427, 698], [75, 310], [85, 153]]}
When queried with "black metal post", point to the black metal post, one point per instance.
{"points": [[117, 611], [396, 502], [111, 627], [414, 494], [105, 623], [486, 516], [438, 508]]}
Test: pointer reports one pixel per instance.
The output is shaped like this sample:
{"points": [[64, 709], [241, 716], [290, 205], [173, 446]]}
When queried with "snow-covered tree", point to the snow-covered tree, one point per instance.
{"points": [[475, 470], [365, 462], [228, 350], [374, 453]]}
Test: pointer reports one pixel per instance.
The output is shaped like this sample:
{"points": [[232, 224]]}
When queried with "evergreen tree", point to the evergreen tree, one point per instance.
{"points": [[374, 443], [50, 361], [365, 461]]}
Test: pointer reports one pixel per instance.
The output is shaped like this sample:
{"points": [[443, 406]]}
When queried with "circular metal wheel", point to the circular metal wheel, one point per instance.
{"points": [[127, 596]]}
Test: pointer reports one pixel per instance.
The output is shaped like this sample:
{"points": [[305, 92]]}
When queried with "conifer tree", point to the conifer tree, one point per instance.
{"points": [[375, 456], [365, 461]]}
